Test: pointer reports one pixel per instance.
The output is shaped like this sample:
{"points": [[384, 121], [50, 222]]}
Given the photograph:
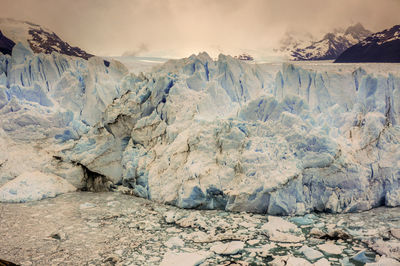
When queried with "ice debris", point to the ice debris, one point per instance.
{"points": [[32, 186]]}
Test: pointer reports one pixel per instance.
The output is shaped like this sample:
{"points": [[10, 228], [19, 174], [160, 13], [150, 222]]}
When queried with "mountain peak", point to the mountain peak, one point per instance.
{"points": [[331, 45], [38, 38], [6, 44], [381, 47], [358, 31]]}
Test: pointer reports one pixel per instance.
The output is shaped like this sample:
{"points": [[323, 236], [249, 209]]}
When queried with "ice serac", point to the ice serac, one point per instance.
{"points": [[225, 134], [46, 100]]}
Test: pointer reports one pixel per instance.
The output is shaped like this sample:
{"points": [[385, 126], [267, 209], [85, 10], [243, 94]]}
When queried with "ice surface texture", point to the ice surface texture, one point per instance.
{"points": [[47, 99], [198, 133], [34, 186], [42, 91]]}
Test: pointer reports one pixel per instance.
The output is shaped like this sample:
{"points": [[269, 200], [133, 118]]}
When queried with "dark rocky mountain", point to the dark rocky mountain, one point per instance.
{"points": [[6, 44], [381, 47], [47, 42], [244, 57], [331, 45], [40, 39]]}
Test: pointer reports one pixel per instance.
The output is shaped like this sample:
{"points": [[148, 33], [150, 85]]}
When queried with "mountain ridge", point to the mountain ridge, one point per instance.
{"points": [[6, 44], [39, 39], [330, 46], [380, 47]]}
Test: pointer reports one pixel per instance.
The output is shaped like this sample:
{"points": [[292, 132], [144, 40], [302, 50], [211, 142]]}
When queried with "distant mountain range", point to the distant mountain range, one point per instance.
{"points": [[40, 39], [328, 48], [354, 44], [381, 47]]}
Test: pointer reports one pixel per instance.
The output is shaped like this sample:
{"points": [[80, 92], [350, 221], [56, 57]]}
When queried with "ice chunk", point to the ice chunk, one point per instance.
{"points": [[31, 186]]}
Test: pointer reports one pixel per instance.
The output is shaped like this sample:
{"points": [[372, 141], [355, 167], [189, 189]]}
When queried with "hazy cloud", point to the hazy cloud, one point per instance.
{"points": [[182, 27], [142, 48]]}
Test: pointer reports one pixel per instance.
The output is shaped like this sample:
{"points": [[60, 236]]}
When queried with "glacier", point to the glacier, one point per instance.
{"points": [[198, 133], [45, 100], [280, 139]]}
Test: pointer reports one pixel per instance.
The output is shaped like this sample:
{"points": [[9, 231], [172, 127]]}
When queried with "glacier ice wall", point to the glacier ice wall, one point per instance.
{"points": [[47, 99], [71, 88], [198, 133]]}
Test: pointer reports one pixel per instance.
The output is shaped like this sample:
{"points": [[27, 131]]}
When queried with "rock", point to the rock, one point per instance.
{"points": [[185, 258], [336, 234], [330, 248], [5, 262], [229, 248], [332, 234], [113, 259], [311, 254], [34, 186], [59, 236], [174, 242]]}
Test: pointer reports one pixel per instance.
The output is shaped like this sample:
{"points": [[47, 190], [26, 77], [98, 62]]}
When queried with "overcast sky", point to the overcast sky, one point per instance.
{"points": [[183, 27]]}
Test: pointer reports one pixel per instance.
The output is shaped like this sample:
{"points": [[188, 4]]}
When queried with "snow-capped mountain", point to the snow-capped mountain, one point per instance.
{"points": [[330, 46], [39, 39], [293, 39], [382, 46]]}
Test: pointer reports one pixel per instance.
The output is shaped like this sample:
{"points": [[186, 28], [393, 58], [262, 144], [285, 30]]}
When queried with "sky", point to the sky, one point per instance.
{"points": [[178, 28]]}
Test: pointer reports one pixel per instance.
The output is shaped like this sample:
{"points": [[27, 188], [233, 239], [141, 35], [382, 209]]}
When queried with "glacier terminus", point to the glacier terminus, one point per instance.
{"points": [[281, 139]]}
